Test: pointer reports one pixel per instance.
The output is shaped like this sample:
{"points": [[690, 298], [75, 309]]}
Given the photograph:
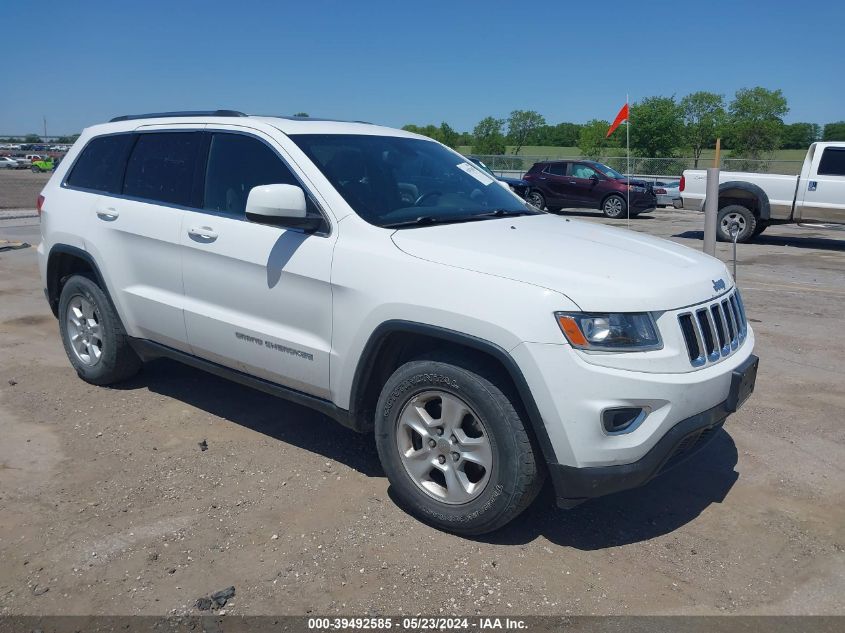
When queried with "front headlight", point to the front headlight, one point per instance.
{"points": [[612, 332]]}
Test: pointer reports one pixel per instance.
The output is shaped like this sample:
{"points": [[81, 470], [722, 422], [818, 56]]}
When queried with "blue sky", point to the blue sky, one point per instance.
{"points": [[399, 62]]}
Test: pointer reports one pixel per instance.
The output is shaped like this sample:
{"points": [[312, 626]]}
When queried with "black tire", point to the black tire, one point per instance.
{"points": [[117, 360], [35, 169], [515, 476], [761, 226], [614, 207], [743, 216], [537, 199]]}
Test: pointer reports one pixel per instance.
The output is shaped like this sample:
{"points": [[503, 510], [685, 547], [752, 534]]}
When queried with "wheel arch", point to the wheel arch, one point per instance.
{"points": [[63, 261], [746, 194], [396, 341]]}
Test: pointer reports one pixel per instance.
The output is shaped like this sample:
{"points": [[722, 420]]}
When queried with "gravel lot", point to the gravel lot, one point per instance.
{"points": [[20, 187], [108, 504]]}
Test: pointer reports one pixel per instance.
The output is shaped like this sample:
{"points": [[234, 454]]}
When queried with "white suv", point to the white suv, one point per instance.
{"points": [[380, 278]]}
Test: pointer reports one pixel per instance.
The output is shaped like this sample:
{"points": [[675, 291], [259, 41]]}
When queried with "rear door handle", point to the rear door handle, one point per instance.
{"points": [[541, 178], [573, 182], [203, 233], [108, 215]]}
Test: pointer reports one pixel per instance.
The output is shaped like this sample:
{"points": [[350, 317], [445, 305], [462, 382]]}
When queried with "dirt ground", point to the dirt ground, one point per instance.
{"points": [[109, 506], [20, 187]]}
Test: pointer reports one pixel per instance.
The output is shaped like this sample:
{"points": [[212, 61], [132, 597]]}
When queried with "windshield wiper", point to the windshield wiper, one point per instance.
{"points": [[425, 220], [502, 213]]}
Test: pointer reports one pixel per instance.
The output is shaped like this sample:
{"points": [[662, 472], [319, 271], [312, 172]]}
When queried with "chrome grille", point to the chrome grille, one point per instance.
{"points": [[714, 330]]}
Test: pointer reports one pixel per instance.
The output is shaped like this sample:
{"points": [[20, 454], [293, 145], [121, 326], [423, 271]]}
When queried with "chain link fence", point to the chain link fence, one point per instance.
{"points": [[649, 168]]}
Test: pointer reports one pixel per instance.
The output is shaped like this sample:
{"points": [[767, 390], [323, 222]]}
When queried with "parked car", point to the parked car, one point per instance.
{"points": [[667, 192], [587, 184], [8, 163], [757, 201], [517, 185], [45, 164], [482, 344], [32, 157]]}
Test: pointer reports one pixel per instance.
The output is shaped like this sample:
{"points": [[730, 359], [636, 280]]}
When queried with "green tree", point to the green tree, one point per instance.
{"points": [[302, 114], [656, 127], [67, 140], [521, 123], [448, 136], [834, 131], [800, 135], [592, 139], [488, 137], [756, 121], [703, 116], [32, 138]]}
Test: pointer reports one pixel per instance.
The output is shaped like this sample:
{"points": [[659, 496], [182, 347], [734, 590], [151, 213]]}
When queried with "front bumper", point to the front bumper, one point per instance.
{"points": [[575, 485], [643, 202]]}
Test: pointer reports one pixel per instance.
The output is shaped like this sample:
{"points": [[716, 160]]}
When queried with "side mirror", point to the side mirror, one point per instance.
{"points": [[280, 205]]}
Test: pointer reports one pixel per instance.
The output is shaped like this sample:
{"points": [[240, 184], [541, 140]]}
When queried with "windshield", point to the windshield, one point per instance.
{"points": [[392, 181], [608, 171]]}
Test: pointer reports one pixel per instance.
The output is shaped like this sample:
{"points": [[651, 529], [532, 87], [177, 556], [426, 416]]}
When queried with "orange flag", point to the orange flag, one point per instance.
{"points": [[622, 116]]}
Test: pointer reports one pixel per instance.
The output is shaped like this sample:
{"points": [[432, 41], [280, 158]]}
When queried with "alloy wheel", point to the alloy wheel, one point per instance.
{"points": [[444, 447], [84, 330]]}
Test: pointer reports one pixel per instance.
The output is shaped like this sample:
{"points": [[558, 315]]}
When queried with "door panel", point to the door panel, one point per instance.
{"points": [[139, 242], [824, 193], [555, 185], [258, 299]]}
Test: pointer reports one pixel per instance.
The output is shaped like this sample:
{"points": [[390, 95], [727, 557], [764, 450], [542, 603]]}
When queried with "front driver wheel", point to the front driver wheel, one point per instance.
{"points": [[614, 207], [454, 448]]}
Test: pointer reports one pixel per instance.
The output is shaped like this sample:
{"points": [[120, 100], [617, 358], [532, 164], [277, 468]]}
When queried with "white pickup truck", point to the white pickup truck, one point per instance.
{"points": [[756, 201]]}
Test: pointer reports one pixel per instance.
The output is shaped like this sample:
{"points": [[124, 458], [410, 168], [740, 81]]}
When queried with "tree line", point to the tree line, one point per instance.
{"points": [[750, 125]]}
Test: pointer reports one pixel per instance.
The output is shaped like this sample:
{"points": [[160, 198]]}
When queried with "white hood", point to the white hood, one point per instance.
{"points": [[599, 268]]}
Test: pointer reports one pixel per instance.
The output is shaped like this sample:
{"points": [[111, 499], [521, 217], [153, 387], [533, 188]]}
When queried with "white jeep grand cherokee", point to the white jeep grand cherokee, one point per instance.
{"points": [[380, 278]]}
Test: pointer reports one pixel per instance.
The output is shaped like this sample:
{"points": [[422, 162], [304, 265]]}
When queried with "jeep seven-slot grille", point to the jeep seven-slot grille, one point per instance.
{"points": [[714, 330]]}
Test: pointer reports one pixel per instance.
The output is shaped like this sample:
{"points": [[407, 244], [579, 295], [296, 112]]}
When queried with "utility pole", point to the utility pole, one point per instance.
{"points": [[45, 127]]}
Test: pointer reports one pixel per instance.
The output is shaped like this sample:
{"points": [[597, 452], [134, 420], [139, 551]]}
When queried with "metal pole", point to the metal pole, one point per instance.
{"points": [[628, 160], [711, 210]]}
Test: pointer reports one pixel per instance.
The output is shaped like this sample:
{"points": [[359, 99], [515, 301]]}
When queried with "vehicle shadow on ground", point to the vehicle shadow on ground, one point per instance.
{"points": [[665, 504], [276, 418], [660, 507], [810, 241]]}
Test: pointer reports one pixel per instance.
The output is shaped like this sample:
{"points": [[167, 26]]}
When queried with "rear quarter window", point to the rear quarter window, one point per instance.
{"points": [[832, 162], [101, 164]]}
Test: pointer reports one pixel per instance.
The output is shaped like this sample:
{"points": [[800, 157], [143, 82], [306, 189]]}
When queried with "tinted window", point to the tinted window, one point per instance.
{"points": [[832, 162], [236, 164], [557, 169], [161, 167], [100, 165]]}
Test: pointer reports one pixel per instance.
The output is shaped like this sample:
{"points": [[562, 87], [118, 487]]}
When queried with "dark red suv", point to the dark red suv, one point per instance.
{"points": [[587, 184]]}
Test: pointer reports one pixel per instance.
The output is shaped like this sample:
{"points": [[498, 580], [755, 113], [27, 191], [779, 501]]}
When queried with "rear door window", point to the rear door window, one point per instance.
{"points": [[101, 164], [557, 169], [832, 162], [161, 167]]}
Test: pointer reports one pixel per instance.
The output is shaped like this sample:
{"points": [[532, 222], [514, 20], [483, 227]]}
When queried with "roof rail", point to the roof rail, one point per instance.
{"points": [[311, 118], [165, 115]]}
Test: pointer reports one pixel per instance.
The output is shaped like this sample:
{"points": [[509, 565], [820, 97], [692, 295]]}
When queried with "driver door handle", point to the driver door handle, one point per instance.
{"points": [[204, 233], [108, 215]]}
